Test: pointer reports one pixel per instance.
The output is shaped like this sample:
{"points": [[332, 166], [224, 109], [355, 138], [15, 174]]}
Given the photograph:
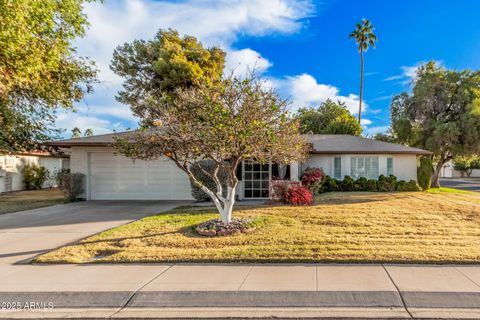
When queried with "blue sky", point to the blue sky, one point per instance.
{"points": [[301, 47]]}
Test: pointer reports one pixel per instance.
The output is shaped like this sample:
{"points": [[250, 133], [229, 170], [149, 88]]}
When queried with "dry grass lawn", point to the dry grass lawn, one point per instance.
{"points": [[31, 199], [436, 227]]}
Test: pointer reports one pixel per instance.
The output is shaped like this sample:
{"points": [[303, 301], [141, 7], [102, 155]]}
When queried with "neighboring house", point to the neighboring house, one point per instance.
{"points": [[11, 167], [110, 176], [448, 171]]}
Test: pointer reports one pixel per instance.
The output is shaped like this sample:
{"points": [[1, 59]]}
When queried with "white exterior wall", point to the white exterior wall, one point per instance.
{"points": [[13, 166], [142, 176], [448, 172], [404, 166]]}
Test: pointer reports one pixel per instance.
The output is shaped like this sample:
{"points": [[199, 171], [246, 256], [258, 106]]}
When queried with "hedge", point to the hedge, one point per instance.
{"points": [[383, 184]]}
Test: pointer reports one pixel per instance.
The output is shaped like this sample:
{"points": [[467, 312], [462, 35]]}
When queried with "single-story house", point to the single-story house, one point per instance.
{"points": [[110, 176], [448, 171], [11, 167]]}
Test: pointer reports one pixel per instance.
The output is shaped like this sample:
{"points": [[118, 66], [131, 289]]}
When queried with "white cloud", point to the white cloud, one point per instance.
{"points": [[365, 122], [241, 62], [305, 91], [212, 22], [374, 130], [409, 73], [68, 121]]}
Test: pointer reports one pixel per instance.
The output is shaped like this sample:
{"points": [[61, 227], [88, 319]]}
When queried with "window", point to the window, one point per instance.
{"points": [[364, 167], [337, 167], [389, 166]]}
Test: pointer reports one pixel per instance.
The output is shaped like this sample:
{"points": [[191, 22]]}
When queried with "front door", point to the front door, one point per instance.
{"points": [[256, 180]]}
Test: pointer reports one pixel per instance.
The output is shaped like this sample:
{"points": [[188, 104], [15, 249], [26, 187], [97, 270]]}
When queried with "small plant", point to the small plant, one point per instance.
{"points": [[372, 185], [72, 184], [298, 196], [279, 187], [403, 186], [198, 170], [34, 177], [387, 184], [329, 185], [361, 184], [347, 184], [312, 178], [424, 172]]}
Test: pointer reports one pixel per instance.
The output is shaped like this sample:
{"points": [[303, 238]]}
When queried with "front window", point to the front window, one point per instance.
{"points": [[256, 180], [364, 166], [337, 168], [389, 166]]}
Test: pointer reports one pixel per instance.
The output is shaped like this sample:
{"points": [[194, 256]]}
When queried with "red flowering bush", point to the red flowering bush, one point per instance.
{"points": [[298, 196], [312, 178], [279, 187]]}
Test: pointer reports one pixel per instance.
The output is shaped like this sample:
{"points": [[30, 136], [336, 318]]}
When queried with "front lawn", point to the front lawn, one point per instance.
{"points": [[437, 227], [31, 199]]}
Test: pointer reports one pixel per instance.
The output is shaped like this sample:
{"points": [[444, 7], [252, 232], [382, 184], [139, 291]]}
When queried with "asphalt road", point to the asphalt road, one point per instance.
{"points": [[470, 184]]}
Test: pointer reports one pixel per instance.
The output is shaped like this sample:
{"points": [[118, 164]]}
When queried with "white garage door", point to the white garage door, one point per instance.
{"points": [[118, 178]]}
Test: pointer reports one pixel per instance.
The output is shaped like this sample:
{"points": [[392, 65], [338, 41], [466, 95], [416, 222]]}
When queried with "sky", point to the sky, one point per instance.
{"points": [[300, 47]]}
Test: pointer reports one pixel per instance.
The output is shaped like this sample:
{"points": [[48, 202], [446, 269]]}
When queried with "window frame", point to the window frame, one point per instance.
{"points": [[333, 167], [365, 171], [392, 166]]}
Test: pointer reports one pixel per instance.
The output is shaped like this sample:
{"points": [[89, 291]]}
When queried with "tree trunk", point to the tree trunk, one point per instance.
{"points": [[226, 211], [435, 179], [361, 89]]}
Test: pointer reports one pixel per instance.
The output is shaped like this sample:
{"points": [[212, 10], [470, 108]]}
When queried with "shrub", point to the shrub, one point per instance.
{"points": [[475, 164], [372, 185], [34, 176], [312, 178], [328, 185], [361, 184], [347, 184], [279, 187], [411, 185], [72, 184], [298, 196], [387, 184], [197, 171], [424, 172]]}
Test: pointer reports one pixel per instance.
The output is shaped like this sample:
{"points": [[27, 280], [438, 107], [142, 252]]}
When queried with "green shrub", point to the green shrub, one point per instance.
{"points": [[328, 185], [411, 185], [34, 176], [475, 164], [361, 184], [424, 172], [208, 166], [387, 184], [372, 185], [72, 184], [347, 184]]}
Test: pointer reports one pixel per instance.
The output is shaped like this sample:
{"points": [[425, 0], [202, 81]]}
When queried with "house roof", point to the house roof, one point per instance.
{"points": [[342, 144], [322, 144]]}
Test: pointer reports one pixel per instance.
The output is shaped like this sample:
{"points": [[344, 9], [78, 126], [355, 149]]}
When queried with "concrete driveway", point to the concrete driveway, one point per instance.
{"points": [[470, 184], [23, 235]]}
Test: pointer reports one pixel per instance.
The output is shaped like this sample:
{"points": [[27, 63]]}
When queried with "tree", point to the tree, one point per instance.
{"points": [[88, 132], [76, 133], [328, 118], [442, 114], [39, 70], [364, 38], [154, 70], [226, 123]]}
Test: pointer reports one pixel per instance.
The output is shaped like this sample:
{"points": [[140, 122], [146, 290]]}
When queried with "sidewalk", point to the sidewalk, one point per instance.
{"points": [[250, 290]]}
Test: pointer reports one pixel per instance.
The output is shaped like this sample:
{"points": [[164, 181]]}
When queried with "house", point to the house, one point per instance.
{"points": [[110, 176], [448, 171], [11, 167]]}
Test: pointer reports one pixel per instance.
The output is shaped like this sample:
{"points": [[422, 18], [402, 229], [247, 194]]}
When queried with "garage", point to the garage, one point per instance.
{"points": [[115, 177]]}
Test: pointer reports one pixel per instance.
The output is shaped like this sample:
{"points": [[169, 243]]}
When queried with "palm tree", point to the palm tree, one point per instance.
{"points": [[364, 38]]}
